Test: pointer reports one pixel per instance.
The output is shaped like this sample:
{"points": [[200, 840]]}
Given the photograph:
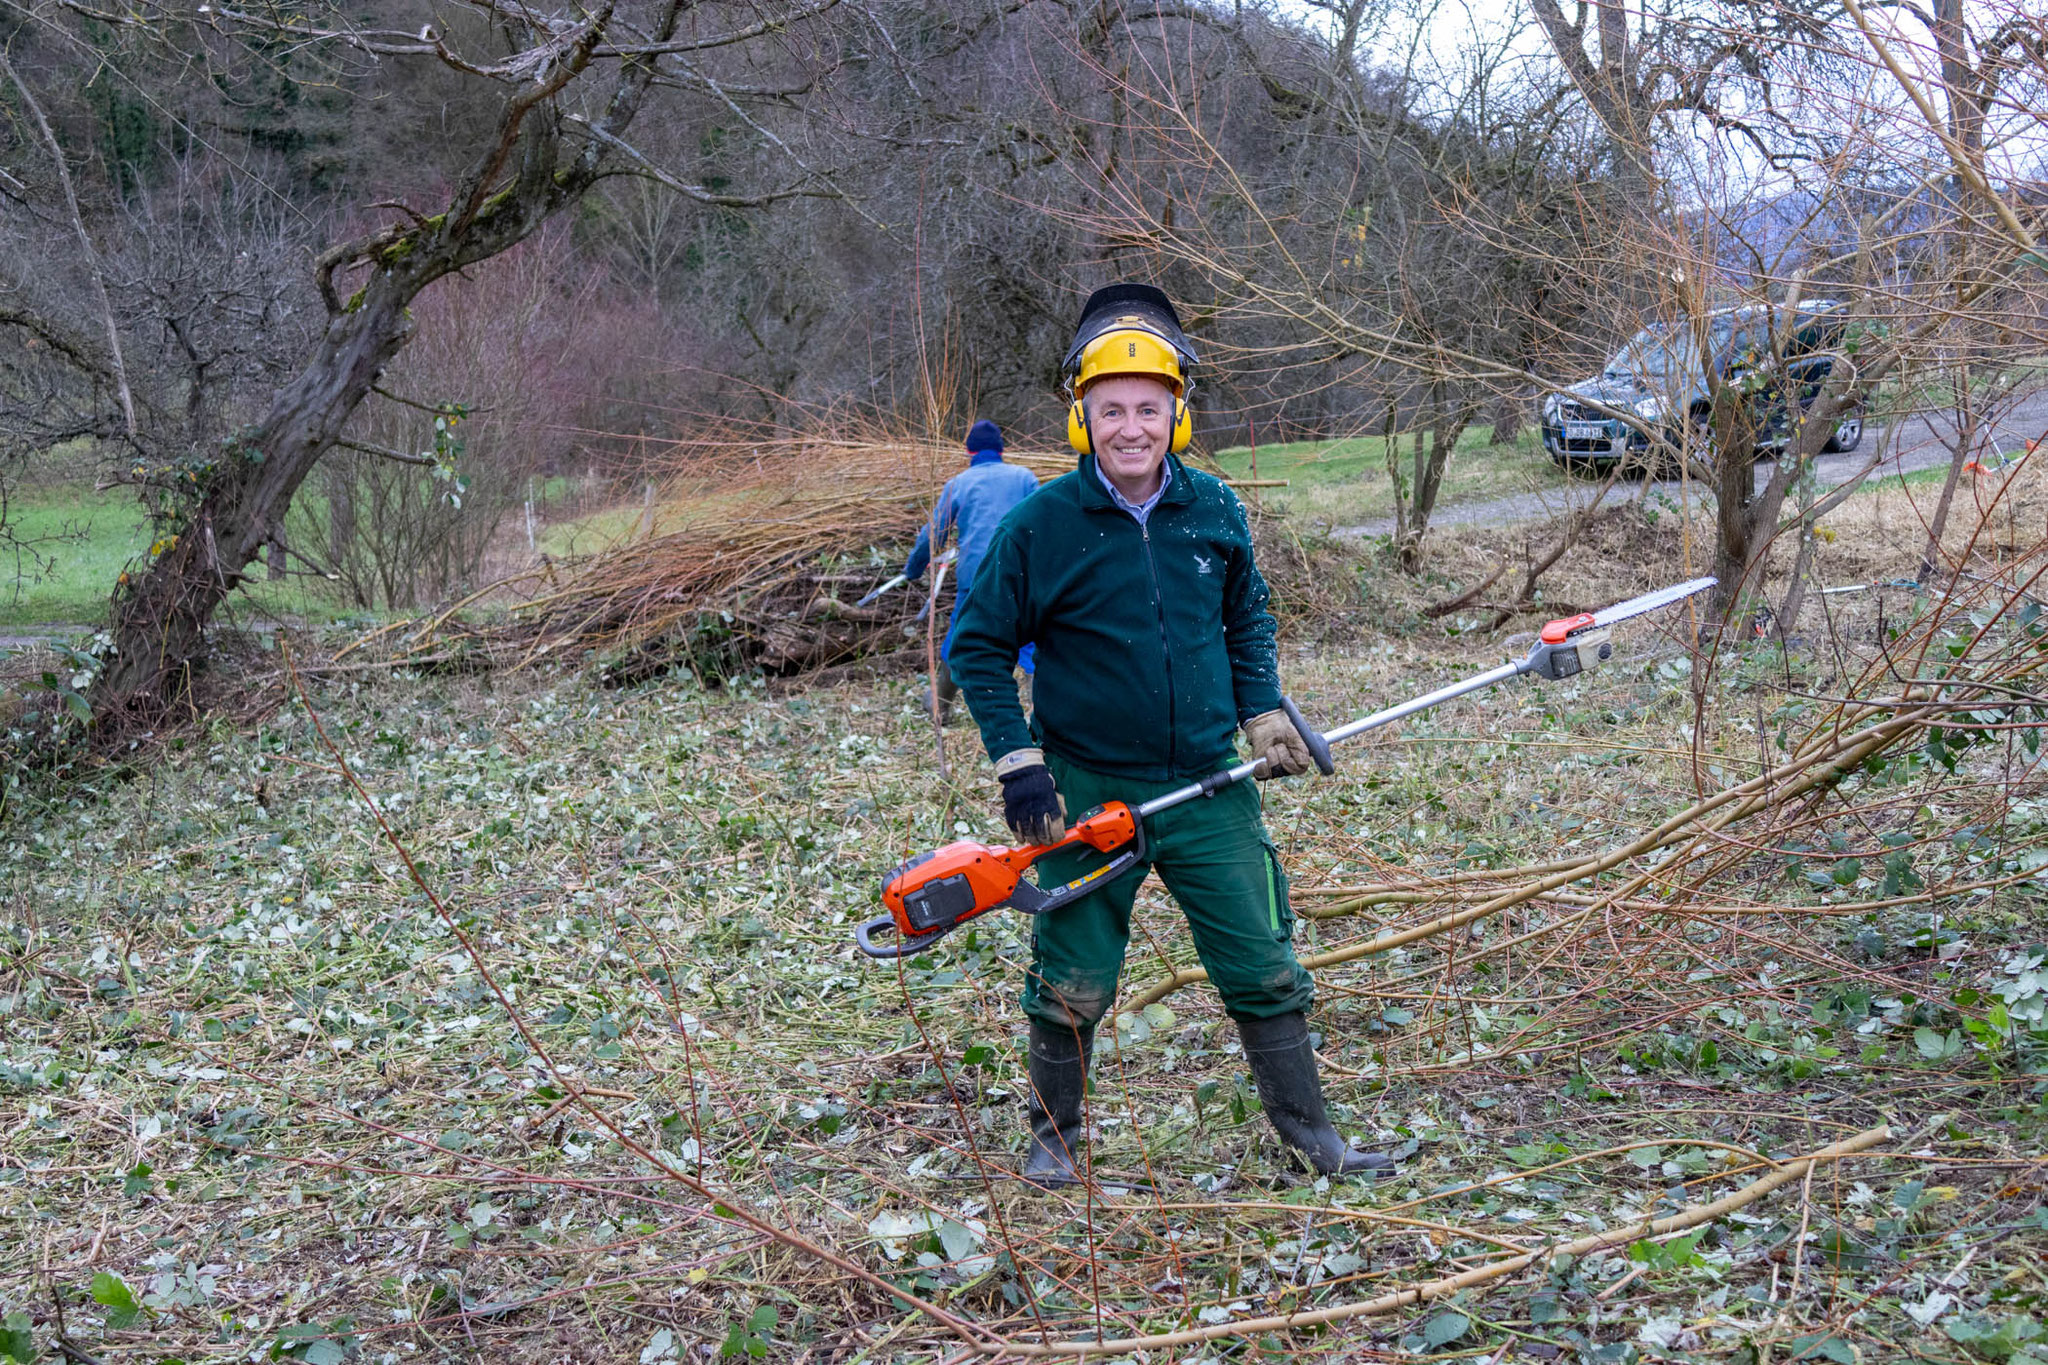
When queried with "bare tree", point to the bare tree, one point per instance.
{"points": [[563, 90]]}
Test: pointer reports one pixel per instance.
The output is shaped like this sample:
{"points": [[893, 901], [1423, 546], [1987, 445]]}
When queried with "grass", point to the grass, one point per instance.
{"points": [[74, 543], [266, 1101], [77, 540], [1345, 482]]}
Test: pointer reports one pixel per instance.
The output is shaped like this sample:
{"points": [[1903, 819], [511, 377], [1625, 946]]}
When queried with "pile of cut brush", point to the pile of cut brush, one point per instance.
{"points": [[750, 556]]}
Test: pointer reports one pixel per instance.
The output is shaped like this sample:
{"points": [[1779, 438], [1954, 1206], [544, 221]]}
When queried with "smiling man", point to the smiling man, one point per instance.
{"points": [[1134, 577]]}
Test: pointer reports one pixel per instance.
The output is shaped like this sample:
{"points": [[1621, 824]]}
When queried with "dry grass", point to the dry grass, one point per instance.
{"points": [[747, 555]]}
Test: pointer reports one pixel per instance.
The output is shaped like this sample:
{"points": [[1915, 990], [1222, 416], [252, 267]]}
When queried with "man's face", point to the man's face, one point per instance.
{"points": [[1130, 418]]}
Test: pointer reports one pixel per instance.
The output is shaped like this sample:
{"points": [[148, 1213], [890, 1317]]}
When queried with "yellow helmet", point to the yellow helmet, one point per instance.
{"points": [[1128, 329], [1130, 349]]}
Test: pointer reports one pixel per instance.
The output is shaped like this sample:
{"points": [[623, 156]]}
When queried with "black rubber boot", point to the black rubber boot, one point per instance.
{"points": [[1059, 1079], [948, 690], [1284, 1068]]}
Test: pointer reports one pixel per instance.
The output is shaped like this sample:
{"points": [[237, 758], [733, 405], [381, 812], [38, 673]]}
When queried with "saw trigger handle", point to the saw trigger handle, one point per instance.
{"points": [[906, 947], [1113, 828], [934, 893], [1318, 747]]}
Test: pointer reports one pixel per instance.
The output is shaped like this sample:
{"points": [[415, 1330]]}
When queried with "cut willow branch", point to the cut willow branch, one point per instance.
{"points": [[1698, 821], [1692, 1217]]}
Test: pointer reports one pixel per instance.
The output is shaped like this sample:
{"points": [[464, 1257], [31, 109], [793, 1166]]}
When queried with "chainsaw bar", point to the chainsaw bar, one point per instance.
{"points": [[1650, 601], [1569, 629]]}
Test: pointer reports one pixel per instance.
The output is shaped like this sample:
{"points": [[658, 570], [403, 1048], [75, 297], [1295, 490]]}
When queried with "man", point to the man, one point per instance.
{"points": [[1134, 576], [973, 504]]}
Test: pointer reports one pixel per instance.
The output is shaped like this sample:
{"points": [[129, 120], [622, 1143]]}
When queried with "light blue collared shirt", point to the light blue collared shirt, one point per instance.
{"points": [[1138, 510]]}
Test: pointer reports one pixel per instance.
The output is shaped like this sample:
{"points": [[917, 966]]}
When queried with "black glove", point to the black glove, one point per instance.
{"points": [[1031, 804]]}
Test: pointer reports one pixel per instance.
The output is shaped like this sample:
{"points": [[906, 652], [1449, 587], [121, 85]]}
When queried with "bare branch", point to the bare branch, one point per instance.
{"points": [[387, 452], [726, 39], [647, 170], [87, 252], [1959, 155]]}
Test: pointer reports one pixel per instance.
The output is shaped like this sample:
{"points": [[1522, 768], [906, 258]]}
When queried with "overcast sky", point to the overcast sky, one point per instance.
{"points": [[1439, 40]]}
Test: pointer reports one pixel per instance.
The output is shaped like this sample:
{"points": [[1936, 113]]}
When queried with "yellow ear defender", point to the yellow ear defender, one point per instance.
{"points": [[1077, 429], [1080, 439], [1129, 351]]}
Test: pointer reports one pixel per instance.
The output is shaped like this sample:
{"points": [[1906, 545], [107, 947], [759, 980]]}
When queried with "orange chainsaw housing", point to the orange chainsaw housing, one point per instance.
{"points": [[1558, 631], [939, 890]]}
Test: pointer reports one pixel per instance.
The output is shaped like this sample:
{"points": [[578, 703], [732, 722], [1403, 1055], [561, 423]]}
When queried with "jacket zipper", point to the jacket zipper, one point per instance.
{"points": [[1165, 653]]}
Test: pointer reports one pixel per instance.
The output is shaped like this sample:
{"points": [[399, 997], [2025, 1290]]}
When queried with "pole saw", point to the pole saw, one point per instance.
{"points": [[898, 581], [935, 893]]}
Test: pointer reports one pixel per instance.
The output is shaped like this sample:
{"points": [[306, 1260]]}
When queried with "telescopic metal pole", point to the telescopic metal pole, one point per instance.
{"points": [[1214, 783]]}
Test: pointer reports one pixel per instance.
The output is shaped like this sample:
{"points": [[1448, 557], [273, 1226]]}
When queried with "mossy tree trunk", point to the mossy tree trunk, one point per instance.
{"points": [[234, 500]]}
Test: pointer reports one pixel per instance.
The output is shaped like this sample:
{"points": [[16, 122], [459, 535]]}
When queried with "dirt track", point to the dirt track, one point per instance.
{"points": [[1916, 443]]}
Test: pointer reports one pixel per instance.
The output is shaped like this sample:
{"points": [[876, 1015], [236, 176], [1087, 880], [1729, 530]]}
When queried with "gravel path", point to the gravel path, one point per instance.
{"points": [[1915, 443], [27, 636]]}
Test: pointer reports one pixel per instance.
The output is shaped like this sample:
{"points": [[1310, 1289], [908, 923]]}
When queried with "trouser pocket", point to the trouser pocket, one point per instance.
{"points": [[1279, 911]]}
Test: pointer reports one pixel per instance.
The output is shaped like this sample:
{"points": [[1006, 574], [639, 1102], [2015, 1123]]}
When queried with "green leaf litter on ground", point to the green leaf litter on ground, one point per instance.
{"points": [[254, 1072]]}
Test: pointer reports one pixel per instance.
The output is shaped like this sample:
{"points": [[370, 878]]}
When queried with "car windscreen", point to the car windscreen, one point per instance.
{"points": [[1667, 355]]}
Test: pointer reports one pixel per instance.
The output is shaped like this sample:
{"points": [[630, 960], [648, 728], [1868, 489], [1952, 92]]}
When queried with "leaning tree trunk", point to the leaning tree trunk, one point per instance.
{"points": [[236, 505], [160, 619]]}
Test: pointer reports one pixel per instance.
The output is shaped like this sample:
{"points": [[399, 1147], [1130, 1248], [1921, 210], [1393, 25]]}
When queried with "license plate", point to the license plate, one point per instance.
{"points": [[1585, 431]]}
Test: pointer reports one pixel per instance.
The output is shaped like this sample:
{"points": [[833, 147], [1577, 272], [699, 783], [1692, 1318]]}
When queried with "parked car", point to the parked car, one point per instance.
{"points": [[1660, 375]]}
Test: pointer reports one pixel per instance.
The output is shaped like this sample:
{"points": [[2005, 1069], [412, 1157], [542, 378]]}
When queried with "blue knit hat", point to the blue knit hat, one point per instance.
{"points": [[984, 435]]}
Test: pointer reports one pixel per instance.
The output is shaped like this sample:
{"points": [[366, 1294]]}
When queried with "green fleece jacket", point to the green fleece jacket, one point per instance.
{"points": [[1154, 641]]}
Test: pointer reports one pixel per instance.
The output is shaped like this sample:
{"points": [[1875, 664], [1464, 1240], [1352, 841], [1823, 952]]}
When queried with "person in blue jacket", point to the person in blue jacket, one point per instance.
{"points": [[974, 502]]}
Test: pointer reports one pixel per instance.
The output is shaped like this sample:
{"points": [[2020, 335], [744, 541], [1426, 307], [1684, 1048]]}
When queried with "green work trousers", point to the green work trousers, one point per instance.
{"points": [[1214, 856]]}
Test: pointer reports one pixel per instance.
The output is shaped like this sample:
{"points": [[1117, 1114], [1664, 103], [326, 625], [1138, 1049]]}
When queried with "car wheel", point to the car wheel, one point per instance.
{"points": [[1701, 449], [1578, 466], [1665, 458], [1848, 434]]}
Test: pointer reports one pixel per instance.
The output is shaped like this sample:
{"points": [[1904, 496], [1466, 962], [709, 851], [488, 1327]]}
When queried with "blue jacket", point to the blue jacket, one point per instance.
{"points": [[973, 505]]}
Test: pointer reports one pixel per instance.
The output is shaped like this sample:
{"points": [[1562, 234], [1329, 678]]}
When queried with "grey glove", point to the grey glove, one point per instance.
{"points": [[1273, 737]]}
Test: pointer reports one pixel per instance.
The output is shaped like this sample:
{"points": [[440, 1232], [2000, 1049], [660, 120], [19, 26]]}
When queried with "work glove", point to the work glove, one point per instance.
{"points": [[1273, 737], [1031, 804]]}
